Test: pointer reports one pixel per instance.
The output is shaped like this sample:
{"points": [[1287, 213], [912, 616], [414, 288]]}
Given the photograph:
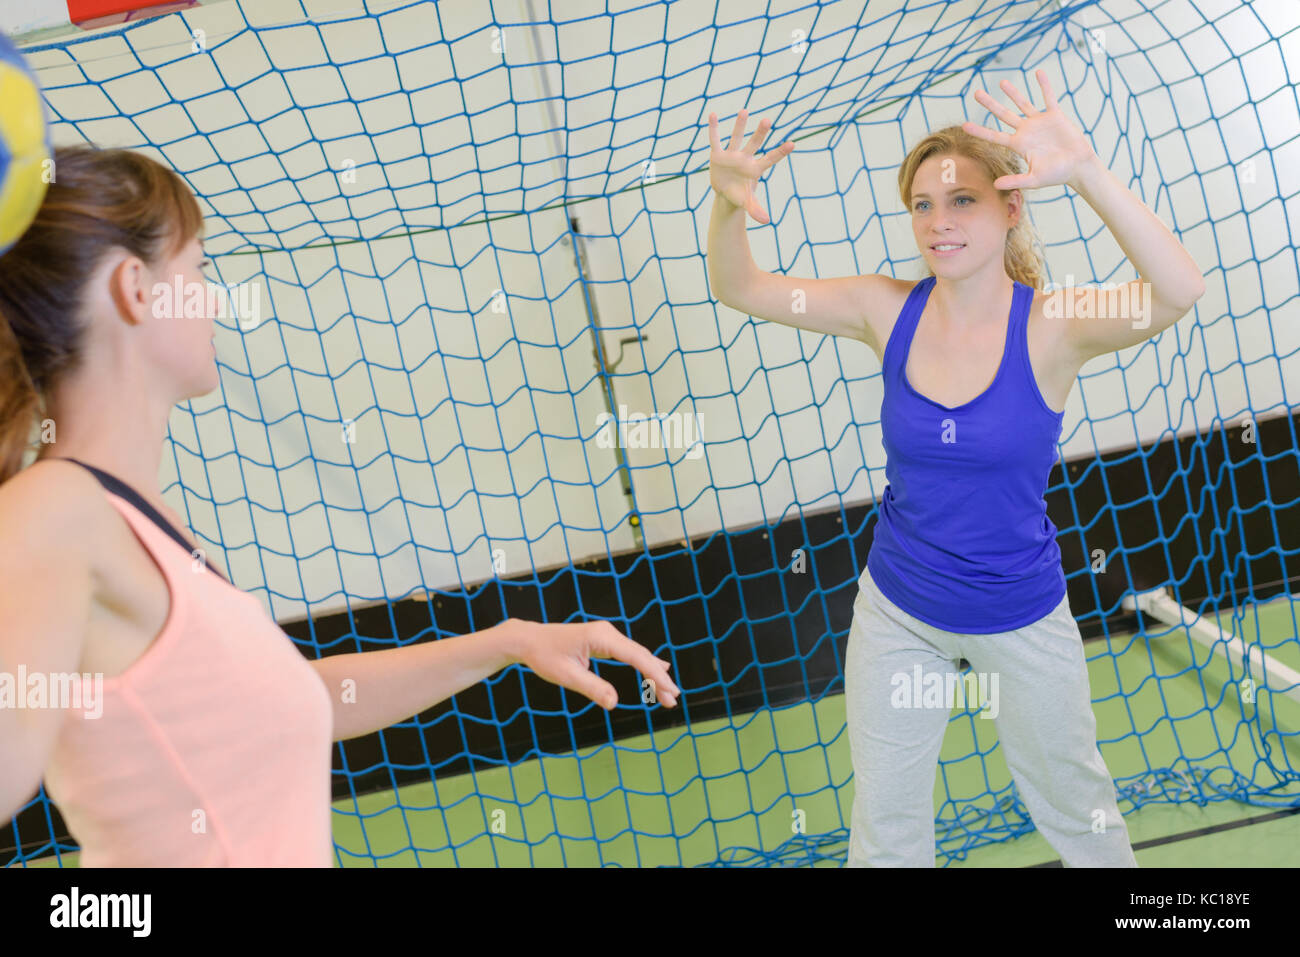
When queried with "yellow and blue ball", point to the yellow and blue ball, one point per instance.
{"points": [[25, 154]]}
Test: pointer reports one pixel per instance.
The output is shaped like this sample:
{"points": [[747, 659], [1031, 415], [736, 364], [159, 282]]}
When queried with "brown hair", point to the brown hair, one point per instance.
{"points": [[1023, 256], [99, 200]]}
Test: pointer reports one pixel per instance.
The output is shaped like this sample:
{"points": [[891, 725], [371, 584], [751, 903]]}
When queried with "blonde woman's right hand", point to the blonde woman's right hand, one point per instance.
{"points": [[735, 171]]}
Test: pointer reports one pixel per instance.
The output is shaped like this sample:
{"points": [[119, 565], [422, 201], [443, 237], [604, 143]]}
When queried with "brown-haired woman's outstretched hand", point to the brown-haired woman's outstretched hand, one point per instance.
{"points": [[562, 653]]}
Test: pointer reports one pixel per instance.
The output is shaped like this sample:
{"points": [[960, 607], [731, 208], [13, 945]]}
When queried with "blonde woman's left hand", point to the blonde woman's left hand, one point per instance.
{"points": [[1054, 148]]}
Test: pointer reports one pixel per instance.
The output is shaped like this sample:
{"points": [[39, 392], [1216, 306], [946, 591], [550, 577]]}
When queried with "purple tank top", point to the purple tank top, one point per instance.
{"points": [[962, 539]]}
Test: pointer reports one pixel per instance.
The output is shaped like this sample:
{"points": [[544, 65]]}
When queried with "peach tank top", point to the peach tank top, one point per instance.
{"points": [[214, 747]]}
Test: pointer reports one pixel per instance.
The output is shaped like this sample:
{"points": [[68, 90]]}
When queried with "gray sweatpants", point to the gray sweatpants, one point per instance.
{"points": [[1036, 692]]}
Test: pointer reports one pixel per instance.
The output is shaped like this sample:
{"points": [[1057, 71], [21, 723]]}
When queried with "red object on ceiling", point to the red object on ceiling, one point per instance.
{"points": [[99, 13]]}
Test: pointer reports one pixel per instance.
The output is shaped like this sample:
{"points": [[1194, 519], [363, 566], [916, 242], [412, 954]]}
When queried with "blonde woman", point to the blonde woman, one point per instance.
{"points": [[977, 366]]}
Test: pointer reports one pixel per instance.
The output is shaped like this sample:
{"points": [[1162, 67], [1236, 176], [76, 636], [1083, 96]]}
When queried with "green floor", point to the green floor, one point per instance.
{"points": [[703, 796]]}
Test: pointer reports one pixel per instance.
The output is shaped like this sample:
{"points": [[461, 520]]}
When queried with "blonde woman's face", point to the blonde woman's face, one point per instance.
{"points": [[959, 220]]}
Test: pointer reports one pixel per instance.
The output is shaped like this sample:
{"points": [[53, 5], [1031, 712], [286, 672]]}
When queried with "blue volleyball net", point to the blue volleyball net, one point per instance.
{"points": [[470, 360]]}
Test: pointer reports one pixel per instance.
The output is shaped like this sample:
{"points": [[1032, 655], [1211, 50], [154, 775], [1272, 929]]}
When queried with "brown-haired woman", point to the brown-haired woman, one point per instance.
{"points": [[211, 740]]}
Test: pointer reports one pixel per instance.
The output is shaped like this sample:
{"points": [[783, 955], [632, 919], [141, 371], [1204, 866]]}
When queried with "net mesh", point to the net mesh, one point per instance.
{"points": [[457, 241]]}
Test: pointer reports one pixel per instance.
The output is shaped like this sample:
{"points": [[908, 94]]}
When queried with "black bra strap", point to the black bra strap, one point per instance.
{"points": [[119, 488]]}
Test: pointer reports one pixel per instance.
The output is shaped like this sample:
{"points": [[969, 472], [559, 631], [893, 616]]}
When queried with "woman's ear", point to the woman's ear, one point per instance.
{"points": [[130, 285], [1015, 207]]}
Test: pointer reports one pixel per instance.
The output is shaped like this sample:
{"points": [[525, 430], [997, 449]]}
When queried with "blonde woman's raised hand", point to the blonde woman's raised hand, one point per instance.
{"points": [[734, 172], [1053, 147]]}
